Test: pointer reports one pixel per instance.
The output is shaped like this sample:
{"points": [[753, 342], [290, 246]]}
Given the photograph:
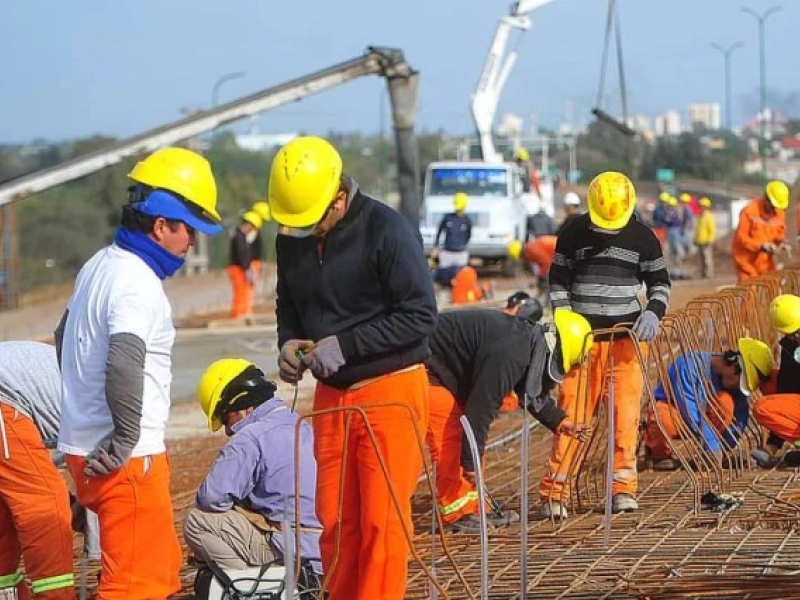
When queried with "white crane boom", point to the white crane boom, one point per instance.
{"points": [[496, 70]]}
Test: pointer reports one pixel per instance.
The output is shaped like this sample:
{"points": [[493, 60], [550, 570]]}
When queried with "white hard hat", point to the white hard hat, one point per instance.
{"points": [[572, 199]]}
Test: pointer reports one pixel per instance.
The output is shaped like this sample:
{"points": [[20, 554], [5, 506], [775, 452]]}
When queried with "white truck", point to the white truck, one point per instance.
{"points": [[498, 206]]}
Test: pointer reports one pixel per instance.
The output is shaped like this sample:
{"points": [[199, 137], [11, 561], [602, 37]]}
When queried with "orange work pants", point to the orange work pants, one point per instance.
{"points": [[34, 515], [780, 413], [363, 548], [456, 497], [720, 417], [580, 407], [141, 554], [242, 302], [752, 264]]}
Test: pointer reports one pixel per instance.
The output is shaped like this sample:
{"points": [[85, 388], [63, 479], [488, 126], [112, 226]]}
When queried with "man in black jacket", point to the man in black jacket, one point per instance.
{"points": [[240, 264], [477, 357], [355, 306]]}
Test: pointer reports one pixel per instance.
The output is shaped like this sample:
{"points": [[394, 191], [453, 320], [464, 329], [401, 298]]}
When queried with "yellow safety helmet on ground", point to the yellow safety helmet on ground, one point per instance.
{"points": [[522, 154], [686, 198], [757, 363], [460, 201], [514, 249], [664, 197], [777, 192], [784, 313], [253, 218], [305, 176], [184, 173], [611, 200], [704, 202], [231, 384], [262, 208], [576, 337]]}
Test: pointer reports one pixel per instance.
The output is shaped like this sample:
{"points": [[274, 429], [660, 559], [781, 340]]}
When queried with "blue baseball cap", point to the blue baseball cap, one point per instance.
{"points": [[162, 203]]}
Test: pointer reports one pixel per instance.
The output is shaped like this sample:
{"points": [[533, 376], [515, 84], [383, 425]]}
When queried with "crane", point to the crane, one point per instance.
{"points": [[496, 70]]}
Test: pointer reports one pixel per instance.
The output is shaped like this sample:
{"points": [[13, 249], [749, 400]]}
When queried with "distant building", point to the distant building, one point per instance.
{"points": [[640, 123], [260, 142], [705, 115], [668, 123]]}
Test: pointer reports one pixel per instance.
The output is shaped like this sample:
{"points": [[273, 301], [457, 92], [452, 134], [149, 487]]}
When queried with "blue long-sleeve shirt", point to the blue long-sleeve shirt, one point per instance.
{"points": [[256, 469], [457, 231], [687, 375]]}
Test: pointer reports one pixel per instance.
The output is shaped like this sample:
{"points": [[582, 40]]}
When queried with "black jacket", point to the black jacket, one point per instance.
{"points": [[367, 283], [241, 254], [540, 224], [482, 355], [788, 379]]}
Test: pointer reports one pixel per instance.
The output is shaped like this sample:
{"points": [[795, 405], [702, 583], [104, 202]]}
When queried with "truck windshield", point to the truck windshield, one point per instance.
{"points": [[472, 181]]}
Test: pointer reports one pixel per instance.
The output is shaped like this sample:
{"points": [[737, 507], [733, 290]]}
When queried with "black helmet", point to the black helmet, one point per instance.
{"points": [[517, 298], [531, 310]]}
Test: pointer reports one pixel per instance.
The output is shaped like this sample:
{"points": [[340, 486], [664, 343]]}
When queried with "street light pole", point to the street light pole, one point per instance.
{"points": [[761, 18], [220, 81], [726, 53]]}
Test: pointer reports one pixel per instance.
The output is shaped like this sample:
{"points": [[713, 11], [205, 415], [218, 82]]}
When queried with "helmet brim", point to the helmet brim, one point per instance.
{"points": [[165, 204]]}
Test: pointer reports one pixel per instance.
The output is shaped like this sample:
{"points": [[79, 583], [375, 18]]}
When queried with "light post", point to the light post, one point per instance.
{"points": [[761, 18], [726, 53], [220, 81]]}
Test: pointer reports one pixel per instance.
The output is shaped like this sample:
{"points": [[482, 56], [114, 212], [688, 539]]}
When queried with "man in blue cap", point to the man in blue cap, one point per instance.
{"points": [[114, 345]]}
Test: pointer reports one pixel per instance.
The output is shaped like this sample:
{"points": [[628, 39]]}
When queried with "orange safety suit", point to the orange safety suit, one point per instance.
{"points": [[540, 252], [141, 555], [365, 550], [580, 408], [240, 263], [34, 515], [755, 229], [466, 288], [720, 417], [780, 414]]}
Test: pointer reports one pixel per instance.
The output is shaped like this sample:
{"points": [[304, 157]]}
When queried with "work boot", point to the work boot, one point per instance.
{"points": [[762, 458], [623, 503], [472, 523], [666, 464], [502, 518], [553, 509], [791, 459]]}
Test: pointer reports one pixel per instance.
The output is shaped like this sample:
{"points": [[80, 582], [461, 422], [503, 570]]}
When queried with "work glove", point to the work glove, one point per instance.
{"points": [[326, 358], [646, 326], [769, 247], [290, 363], [580, 431], [107, 458]]}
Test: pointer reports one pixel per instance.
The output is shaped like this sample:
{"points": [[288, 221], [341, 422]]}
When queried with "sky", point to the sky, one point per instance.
{"points": [[74, 69]]}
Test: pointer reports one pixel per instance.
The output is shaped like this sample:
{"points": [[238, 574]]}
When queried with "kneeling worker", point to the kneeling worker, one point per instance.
{"points": [[240, 504], [477, 357]]}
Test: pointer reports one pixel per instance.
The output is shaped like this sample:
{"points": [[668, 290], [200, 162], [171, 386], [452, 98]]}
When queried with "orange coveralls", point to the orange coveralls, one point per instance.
{"points": [[466, 288], [755, 229], [540, 251]]}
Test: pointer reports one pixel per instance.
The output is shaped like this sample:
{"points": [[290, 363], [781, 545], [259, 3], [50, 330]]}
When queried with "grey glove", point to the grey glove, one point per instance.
{"points": [[769, 247], [290, 364], [326, 358], [107, 458], [646, 326]]}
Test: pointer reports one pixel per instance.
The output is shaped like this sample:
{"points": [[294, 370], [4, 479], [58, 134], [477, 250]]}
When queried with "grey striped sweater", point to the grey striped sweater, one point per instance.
{"points": [[600, 275]]}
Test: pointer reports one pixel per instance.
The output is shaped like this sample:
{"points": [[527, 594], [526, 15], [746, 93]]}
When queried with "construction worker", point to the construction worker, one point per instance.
{"points": [[600, 263], [540, 224], [477, 356], [240, 264], [257, 247], [521, 304], [572, 203], [35, 513], [704, 238], [115, 343], [240, 506], [779, 409], [761, 232], [688, 223], [539, 253], [731, 376], [457, 229], [355, 305], [674, 226], [529, 174]]}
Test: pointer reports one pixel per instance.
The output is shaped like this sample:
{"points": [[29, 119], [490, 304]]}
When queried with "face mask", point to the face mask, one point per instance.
{"points": [[251, 237]]}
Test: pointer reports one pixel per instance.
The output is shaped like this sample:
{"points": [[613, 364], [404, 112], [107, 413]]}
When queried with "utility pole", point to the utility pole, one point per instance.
{"points": [[761, 18], [726, 53]]}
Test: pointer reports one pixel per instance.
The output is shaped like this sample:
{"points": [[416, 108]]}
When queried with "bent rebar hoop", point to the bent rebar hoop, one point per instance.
{"points": [[361, 412]]}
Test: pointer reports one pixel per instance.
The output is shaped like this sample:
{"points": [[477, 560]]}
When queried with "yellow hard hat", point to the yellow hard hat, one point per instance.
{"points": [[262, 208], [303, 181], [514, 249], [460, 201], [673, 201], [664, 197], [777, 192], [183, 172], [784, 313], [686, 198], [704, 202], [232, 384], [522, 154], [611, 200], [253, 218], [572, 329], [757, 363]]}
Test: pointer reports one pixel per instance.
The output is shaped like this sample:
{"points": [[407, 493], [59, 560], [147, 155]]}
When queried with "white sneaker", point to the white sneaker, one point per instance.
{"points": [[624, 503], [553, 509]]}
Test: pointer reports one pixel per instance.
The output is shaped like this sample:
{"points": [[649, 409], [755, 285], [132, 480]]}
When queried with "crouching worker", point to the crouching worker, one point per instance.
{"points": [[717, 420], [477, 356], [241, 504]]}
